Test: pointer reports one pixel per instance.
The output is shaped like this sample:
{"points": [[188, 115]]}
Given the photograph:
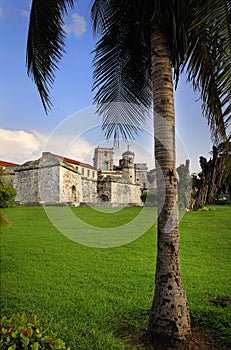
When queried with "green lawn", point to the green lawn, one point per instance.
{"points": [[98, 298]]}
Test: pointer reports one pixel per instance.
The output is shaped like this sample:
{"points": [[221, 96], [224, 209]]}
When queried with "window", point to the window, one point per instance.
{"points": [[88, 173], [82, 171], [93, 174], [105, 166], [105, 154]]}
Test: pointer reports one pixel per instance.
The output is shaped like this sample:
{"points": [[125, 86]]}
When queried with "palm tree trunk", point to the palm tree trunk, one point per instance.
{"points": [[169, 316]]}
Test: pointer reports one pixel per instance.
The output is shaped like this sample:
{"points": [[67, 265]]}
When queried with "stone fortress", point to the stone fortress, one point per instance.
{"points": [[55, 179]]}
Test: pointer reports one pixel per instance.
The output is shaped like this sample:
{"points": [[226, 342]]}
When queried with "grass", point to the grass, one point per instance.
{"points": [[99, 298]]}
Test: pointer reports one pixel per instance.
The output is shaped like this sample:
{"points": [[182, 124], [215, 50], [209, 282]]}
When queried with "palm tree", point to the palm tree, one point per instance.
{"points": [[141, 44]]}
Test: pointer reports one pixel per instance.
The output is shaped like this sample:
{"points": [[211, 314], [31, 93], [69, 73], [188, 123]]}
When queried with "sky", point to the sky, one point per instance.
{"points": [[72, 127]]}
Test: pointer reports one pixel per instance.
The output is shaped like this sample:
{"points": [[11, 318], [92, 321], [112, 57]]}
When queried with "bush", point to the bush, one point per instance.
{"points": [[20, 332], [7, 192]]}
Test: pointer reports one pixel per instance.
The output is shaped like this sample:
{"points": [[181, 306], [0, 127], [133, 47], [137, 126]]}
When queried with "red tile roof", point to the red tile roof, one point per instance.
{"points": [[65, 159], [75, 162], [6, 164]]}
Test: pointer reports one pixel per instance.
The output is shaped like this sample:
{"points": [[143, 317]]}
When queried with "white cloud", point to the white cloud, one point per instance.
{"points": [[77, 26], [20, 146], [67, 146]]}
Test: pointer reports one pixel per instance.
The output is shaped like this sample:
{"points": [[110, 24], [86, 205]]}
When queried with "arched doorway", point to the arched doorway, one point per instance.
{"points": [[104, 198], [73, 194]]}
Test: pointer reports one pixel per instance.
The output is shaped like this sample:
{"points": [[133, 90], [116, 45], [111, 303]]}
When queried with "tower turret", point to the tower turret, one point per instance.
{"points": [[127, 166], [103, 158]]}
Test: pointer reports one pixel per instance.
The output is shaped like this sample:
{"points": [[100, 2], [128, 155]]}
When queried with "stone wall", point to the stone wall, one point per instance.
{"points": [[69, 185], [141, 175], [36, 185], [26, 184], [75, 188], [128, 174], [51, 179], [89, 190], [115, 189], [125, 193]]}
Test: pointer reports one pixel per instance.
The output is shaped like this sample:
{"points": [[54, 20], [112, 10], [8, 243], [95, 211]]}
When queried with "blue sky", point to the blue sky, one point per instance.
{"points": [[25, 129]]}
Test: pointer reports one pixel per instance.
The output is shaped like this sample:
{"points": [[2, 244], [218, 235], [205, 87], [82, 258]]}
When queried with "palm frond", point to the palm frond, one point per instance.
{"points": [[45, 43], [123, 54], [99, 15], [121, 68], [209, 64]]}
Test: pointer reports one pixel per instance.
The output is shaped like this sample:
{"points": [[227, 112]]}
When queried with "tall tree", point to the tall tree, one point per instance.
{"points": [[184, 185], [214, 176], [141, 43]]}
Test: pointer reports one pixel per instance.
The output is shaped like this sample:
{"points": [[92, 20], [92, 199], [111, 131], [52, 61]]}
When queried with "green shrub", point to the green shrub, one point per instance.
{"points": [[20, 332], [7, 192]]}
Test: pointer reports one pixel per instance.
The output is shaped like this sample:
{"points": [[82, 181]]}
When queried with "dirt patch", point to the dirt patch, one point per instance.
{"points": [[198, 341]]}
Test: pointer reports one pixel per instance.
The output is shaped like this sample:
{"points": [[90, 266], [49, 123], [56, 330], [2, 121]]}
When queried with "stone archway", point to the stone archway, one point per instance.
{"points": [[104, 198]]}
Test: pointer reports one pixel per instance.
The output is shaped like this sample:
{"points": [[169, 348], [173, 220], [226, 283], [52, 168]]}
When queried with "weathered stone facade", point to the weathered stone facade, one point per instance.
{"points": [[115, 189], [53, 179], [141, 173], [56, 179]]}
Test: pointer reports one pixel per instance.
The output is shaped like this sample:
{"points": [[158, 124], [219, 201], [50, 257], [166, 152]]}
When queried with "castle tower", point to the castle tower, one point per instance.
{"points": [[127, 166], [141, 173], [103, 158]]}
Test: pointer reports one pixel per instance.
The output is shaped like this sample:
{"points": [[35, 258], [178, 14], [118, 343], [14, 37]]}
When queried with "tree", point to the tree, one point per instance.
{"points": [[215, 174], [140, 43], [184, 185]]}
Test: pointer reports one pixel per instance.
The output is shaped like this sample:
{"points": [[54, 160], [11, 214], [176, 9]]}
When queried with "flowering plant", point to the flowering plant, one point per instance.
{"points": [[20, 332]]}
